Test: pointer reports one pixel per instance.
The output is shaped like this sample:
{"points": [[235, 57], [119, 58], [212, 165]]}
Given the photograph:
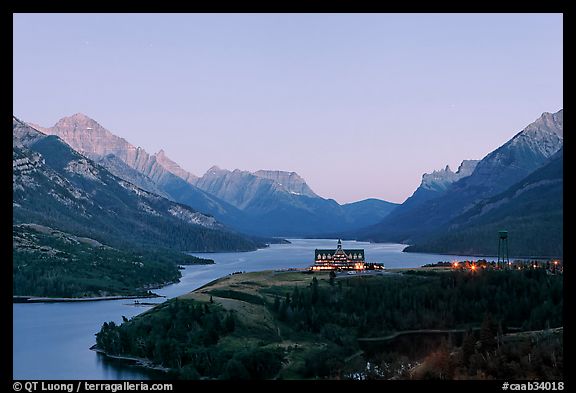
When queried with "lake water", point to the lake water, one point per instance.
{"points": [[52, 340]]}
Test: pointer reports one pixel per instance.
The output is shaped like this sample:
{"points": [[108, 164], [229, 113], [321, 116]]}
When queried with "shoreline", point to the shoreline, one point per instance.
{"points": [[25, 299], [39, 299], [140, 362], [483, 256]]}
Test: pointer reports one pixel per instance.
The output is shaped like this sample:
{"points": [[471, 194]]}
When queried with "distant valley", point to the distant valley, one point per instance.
{"points": [[78, 180]]}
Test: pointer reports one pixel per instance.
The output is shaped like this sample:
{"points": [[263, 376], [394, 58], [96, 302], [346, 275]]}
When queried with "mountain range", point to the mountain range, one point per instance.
{"points": [[79, 230], [446, 206], [264, 203], [135, 165], [281, 203], [531, 211], [55, 186]]}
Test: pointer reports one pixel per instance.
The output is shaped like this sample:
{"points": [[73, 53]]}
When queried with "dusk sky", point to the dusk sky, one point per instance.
{"points": [[360, 105]]}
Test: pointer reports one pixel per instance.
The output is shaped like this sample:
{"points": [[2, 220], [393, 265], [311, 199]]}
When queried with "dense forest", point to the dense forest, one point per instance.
{"points": [[183, 335], [316, 327], [56, 264], [427, 300]]}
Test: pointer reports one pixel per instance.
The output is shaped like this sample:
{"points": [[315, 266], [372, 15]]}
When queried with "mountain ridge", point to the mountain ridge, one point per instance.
{"points": [[282, 202], [88, 137], [531, 211], [262, 203], [91, 200], [425, 212]]}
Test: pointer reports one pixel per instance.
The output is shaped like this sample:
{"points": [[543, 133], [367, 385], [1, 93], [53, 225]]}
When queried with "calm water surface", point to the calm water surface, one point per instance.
{"points": [[52, 340]]}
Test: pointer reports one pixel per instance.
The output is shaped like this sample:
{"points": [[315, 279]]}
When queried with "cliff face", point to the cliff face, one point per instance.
{"points": [[440, 180], [242, 189], [88, 137], [155, 173], [253, 190], [290, 181], [174, 168]]}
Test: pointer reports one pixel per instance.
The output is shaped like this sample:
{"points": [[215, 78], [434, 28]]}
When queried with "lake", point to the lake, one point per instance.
{"points": [[52, 340]]}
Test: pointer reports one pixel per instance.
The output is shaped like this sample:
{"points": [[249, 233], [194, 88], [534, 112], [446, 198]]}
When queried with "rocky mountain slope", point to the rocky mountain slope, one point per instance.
{"points": [[527, 151], [54, 185], [289, 181], [89, 138], [440, 180], [531, 211], [281, 203], [263, 203]]}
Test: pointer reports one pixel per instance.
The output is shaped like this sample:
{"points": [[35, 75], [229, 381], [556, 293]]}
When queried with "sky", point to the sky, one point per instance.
{"points": [[360, 105]]}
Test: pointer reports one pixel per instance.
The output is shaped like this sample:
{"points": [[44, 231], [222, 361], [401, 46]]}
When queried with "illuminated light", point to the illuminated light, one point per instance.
{"points": [[455, 264], [473, 267], [555, 262]]}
